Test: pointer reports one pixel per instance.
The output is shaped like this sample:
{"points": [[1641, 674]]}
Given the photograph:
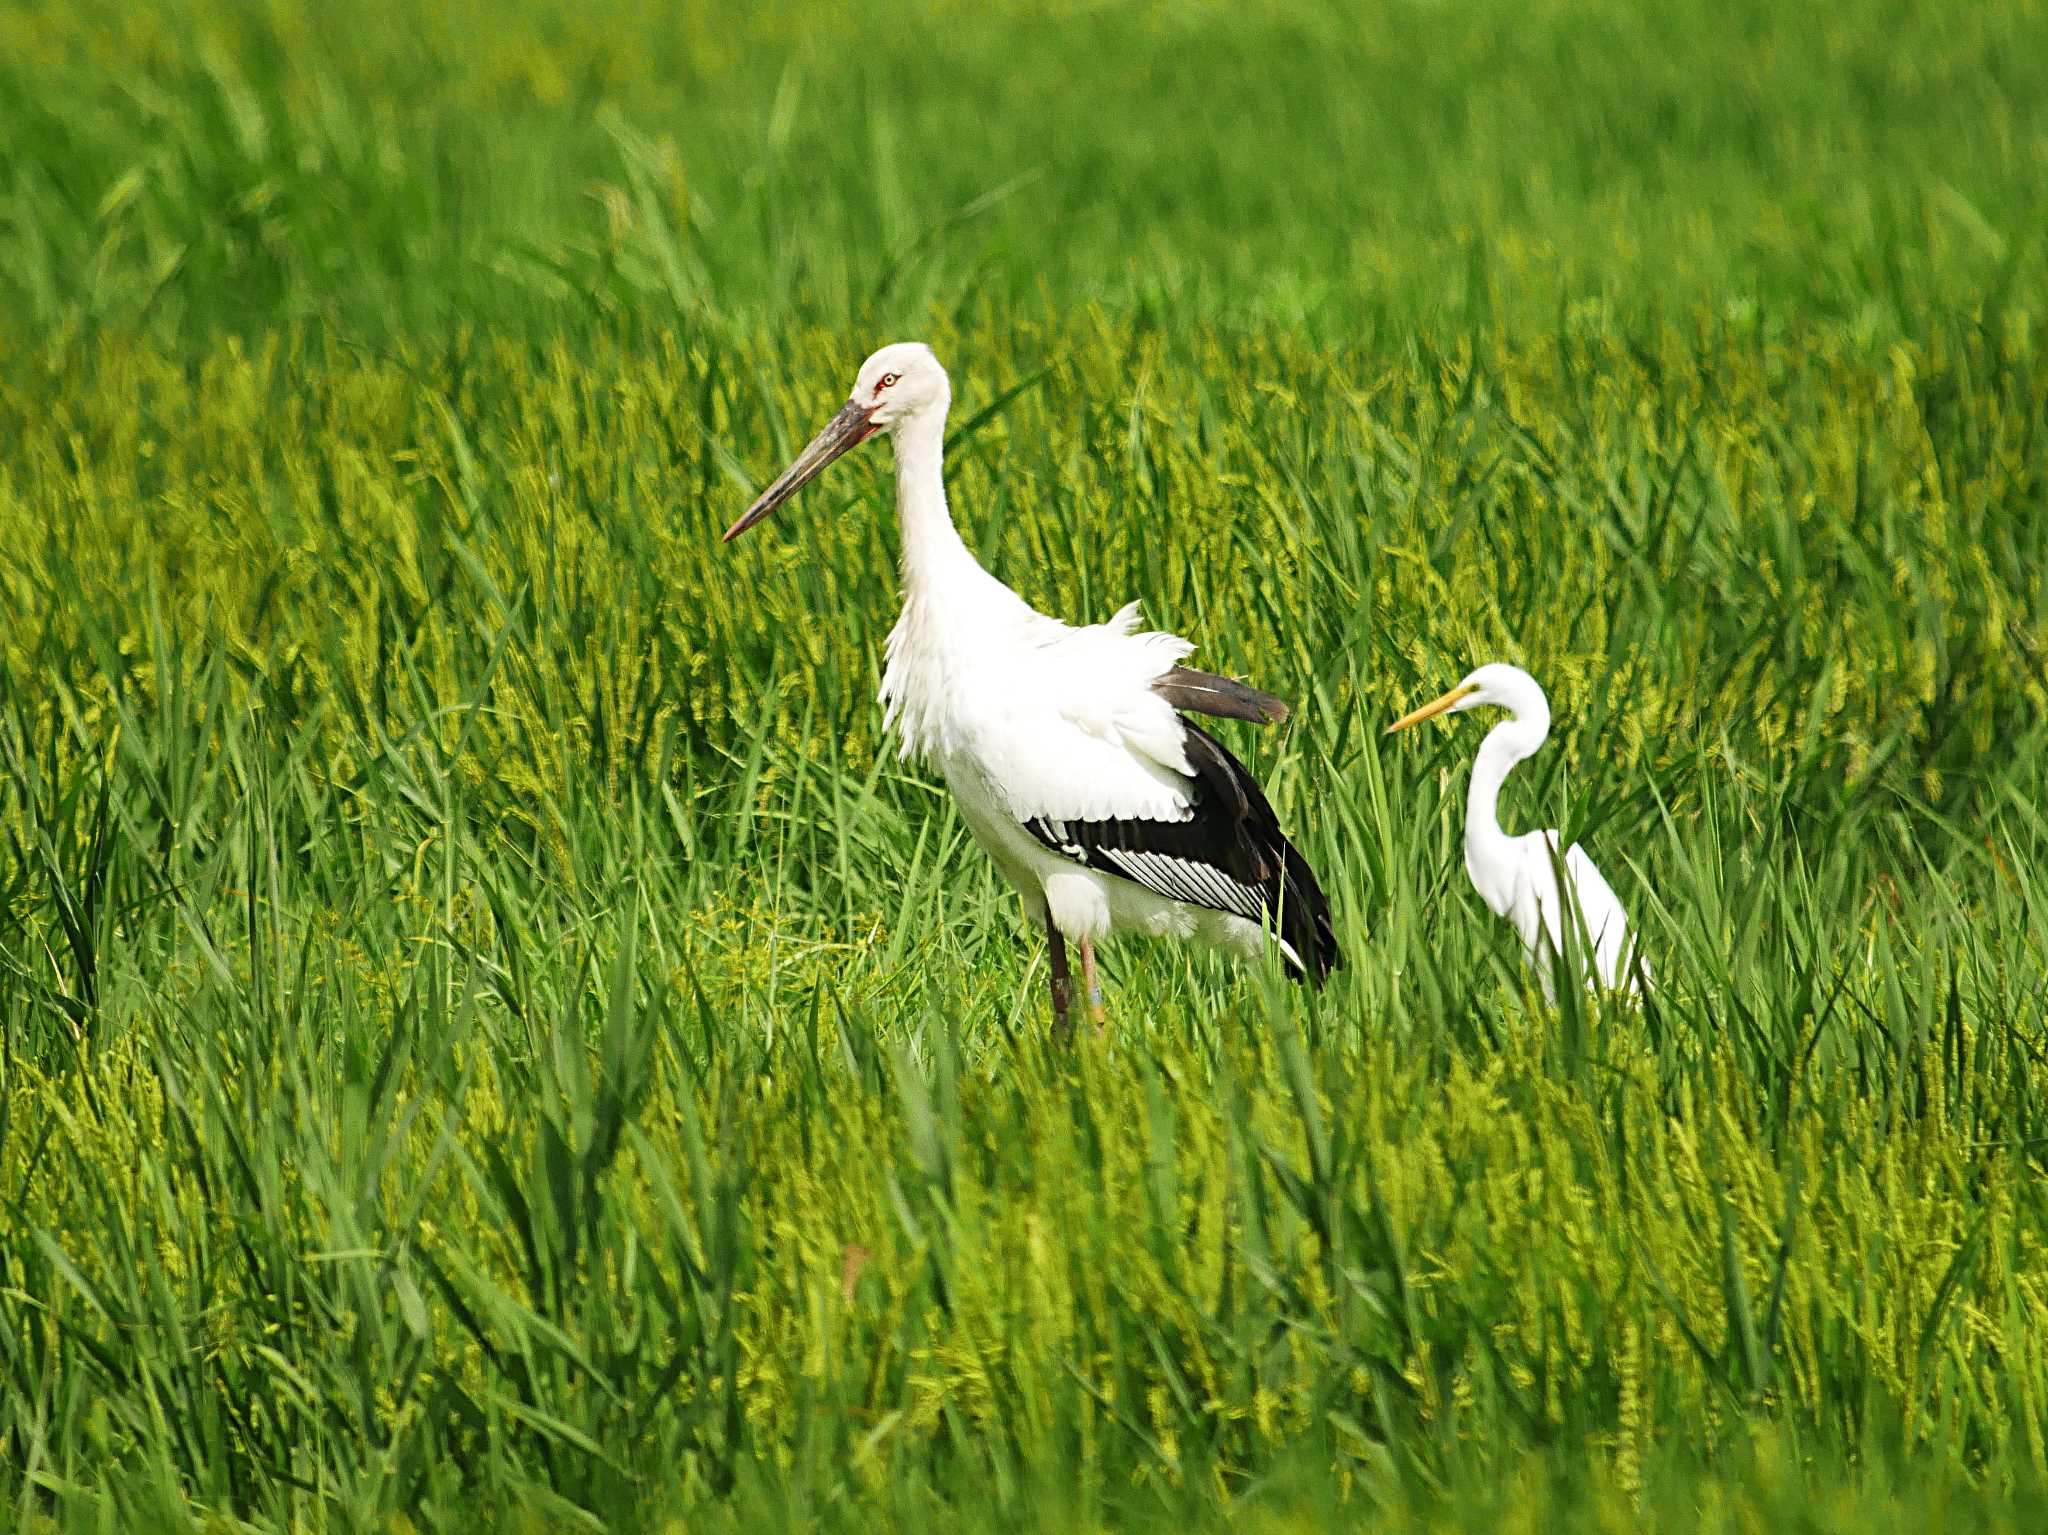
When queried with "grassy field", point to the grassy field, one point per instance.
{"points": [[492, 1038]]}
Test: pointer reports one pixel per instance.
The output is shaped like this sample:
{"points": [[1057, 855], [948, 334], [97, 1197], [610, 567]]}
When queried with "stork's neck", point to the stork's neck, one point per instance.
{"points": [[934, 557], [1513, 739], [947, 597]]}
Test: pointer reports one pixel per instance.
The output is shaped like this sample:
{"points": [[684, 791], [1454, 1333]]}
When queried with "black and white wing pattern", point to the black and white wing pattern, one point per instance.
{"points": [[1228, 855]]}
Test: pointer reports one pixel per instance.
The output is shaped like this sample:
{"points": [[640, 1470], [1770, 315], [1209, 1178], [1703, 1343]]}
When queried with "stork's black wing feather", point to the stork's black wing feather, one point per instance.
{"points": [[1229, 855], [1206, 693]]}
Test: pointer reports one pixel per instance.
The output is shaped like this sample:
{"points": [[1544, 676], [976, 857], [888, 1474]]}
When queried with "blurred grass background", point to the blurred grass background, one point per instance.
{"points": [[490, 1037], [396, 169]]}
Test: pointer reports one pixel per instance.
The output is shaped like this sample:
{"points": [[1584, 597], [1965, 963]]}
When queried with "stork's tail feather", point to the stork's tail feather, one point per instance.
{"points": [[1288, 889], [1304, 918]]}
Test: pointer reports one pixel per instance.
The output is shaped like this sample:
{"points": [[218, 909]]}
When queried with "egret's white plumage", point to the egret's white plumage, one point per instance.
{"points": [[1518, 876], [1063, 745]]}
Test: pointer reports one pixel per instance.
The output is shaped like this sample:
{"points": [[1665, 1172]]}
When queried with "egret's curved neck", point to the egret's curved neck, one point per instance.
{"points": [[1516, 737], [932, 547]]}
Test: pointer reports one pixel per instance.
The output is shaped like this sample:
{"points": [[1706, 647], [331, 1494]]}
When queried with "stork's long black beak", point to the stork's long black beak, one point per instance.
{"points": [[852, 426]]}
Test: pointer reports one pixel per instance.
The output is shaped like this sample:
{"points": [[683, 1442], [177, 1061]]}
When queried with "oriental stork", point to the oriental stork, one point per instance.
{"points": [[1069, 750], [1525, 879]]}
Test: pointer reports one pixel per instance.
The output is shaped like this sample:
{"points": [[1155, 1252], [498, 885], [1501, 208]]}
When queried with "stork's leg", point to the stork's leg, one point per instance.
{"points": [[1088, 980], [1062, 981]]}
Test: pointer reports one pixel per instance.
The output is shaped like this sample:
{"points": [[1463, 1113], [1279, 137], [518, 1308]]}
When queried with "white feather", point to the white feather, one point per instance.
{"points": [[1522, 886], [1063, 720]]}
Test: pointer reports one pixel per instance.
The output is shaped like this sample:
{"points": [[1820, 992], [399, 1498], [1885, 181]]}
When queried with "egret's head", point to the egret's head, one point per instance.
{"points": [[1496, 684], [900, 383]]}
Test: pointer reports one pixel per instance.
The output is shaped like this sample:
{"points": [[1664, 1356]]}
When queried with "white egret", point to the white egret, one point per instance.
{"points": [[1518, 876], [1068, 749]]}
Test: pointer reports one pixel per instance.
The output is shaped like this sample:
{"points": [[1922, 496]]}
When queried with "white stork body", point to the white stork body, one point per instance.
{"points": [[1029, 719], [1105, 808]]}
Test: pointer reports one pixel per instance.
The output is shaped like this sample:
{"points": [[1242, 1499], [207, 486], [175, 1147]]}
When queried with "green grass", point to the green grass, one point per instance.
{"points": [[491, 1036], [195, 167]]}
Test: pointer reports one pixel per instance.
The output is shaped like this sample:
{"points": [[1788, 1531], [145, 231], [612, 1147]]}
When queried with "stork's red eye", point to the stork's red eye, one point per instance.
{"points": [[886, 380]]}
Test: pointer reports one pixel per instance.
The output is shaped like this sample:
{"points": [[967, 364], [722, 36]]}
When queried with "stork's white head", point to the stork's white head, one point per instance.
{"points": [[1495, 684], [901, 383]]}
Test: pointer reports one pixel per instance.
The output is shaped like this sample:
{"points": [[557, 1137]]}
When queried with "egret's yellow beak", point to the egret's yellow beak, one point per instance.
{"points": [[1434, 707]]}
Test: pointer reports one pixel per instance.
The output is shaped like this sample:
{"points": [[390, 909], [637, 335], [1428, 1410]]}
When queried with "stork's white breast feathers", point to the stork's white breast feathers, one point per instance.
{"points": [[1061, 721]]}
